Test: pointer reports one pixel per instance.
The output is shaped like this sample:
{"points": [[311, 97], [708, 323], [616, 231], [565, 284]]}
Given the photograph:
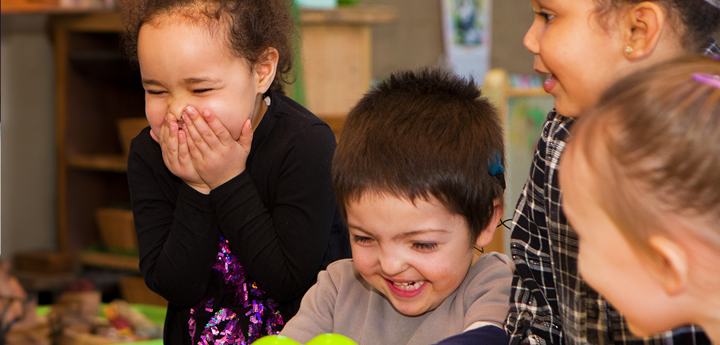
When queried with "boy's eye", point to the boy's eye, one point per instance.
{"points": [[155, 92], [362, 240], [201, 90], [426, 246]]}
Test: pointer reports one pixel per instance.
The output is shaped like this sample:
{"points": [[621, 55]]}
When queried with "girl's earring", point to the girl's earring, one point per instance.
{"points": [[629, 49]]}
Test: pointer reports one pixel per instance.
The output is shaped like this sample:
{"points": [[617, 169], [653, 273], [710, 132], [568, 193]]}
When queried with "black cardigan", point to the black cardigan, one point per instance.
{"points": [[279, 217]]}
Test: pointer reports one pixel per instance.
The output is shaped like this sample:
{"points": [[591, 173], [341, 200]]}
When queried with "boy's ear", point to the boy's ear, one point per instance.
{"points": [[266, 68], [672, 267], [644, 25], [486, 235]]}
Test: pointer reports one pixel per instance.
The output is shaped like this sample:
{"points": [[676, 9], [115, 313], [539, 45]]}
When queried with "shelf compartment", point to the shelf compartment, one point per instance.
{"points": [[112, 163], [107, 260]]}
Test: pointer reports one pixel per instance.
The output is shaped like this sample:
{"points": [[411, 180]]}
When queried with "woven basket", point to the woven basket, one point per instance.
{"points": [[117, 229], [129, 128]]}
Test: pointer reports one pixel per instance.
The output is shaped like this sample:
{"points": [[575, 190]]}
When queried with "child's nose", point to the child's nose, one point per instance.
{"points": [[531, 38], [392, 262], [176, 106]]}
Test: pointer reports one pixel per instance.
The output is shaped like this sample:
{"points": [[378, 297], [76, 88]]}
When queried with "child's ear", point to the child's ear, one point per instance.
{"points": [[486, 235], [672, 267], [642, 29], [266, 68]]}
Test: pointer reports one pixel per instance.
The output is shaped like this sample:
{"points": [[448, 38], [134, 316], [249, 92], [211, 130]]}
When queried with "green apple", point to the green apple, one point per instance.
{"points": [[331, 339], [275, 340], [322, 339]]}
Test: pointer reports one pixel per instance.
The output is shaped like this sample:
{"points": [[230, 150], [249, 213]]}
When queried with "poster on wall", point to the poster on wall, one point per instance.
{"points": [[466, 34]]}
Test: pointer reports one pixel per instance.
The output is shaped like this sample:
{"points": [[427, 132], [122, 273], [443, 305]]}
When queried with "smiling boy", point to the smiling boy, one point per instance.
{"points": [[418, 178]]}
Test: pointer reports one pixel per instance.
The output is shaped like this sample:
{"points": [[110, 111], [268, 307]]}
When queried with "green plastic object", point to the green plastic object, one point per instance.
{"points": [[322, 339]]}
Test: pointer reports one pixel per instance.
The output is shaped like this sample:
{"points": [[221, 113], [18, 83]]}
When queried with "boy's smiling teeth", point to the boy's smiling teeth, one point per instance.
{"points": [[408, 286]]}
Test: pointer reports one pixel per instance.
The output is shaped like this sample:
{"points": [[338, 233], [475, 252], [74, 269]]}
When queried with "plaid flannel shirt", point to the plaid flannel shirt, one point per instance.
{"points": [[549, 302]]}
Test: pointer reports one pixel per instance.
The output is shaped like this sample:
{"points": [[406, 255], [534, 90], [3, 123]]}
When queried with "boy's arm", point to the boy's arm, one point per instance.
{"points": [[532, 299], [485, 302], [283, 246], [177, 247], [316, 312]]}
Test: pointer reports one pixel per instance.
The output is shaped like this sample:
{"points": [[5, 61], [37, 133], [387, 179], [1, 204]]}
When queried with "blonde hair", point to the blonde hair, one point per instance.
{"points": [[654, 137]]}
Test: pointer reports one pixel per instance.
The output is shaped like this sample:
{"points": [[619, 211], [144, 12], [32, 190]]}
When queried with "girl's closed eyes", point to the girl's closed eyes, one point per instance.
{"points": [[362, 240], [155, 92]]}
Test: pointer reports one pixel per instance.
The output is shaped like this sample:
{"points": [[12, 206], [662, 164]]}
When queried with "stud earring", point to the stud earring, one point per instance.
{"points": [[628, 49]]}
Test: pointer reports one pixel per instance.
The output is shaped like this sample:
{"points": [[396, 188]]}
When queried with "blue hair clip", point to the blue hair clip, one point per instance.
{"points": [[708, 79], [496, 168]]}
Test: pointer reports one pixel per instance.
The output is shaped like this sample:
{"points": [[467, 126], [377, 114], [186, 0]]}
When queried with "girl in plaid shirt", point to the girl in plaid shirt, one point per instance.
{"points": [[585, 46], [651, 245]]}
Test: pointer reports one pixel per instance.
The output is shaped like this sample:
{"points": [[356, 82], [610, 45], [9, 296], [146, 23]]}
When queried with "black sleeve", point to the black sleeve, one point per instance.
{"points": [[177, 239], [487, 335], [282, 245]]}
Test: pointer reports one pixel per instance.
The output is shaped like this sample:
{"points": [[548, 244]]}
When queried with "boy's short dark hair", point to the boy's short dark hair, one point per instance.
{"points": [[422, 134]]}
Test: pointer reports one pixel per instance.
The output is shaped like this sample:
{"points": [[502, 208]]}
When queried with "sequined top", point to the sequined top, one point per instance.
{"points": [[274, 226], [249, 316]]}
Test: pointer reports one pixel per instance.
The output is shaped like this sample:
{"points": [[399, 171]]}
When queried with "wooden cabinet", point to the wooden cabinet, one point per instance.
{"points": [[96, 86]]}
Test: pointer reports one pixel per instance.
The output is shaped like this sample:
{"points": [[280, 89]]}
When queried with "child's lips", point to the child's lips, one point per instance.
{"points": [[550, 83], [406, 289]]}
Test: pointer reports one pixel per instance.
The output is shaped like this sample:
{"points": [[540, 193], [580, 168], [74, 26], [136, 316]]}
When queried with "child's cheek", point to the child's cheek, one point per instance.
{"points": [[231, 117], [155, 117]]}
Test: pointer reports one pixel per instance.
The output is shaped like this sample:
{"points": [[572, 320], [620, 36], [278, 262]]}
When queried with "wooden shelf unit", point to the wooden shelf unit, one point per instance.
{"points": [[94, 87]]}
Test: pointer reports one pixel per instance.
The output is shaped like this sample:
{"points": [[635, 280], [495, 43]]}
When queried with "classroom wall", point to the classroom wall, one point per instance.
{"points": [[27, 100], [415, 38], [28, 136]]}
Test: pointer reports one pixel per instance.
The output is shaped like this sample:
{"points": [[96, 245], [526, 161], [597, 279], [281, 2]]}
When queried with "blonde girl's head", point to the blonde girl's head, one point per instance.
{"points": [[645, 164], [249, 28], [587, 45], [657, 137]]}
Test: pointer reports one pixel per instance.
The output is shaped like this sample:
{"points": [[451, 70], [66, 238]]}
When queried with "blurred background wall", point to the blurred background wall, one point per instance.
{"points": [[27, 100]]}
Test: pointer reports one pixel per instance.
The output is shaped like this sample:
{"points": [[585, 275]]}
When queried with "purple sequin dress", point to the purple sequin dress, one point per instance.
{"points": [[249, 314]]}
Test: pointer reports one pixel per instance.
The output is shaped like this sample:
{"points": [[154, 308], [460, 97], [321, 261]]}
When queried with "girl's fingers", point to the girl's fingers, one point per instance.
{"points": [[246, 136], [183, 150], [192, 145], [164, 130], [165, 136], [221, 132], [202, 131], [172, 142]]}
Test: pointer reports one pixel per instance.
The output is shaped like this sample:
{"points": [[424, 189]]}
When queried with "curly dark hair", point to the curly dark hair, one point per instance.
{"points": [[252, 27], [696, 20]]}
